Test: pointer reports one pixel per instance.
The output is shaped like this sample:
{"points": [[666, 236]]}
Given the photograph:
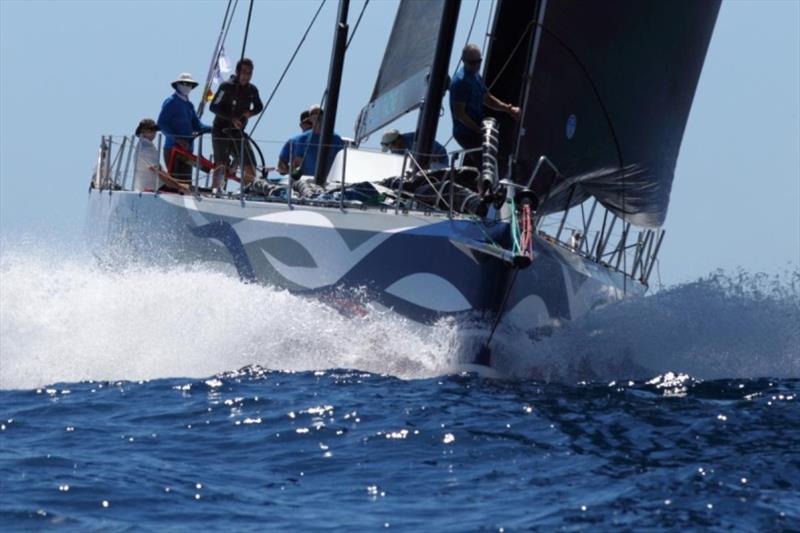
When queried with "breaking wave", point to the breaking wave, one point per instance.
{"points": [[64, 319], [723, 325], [69, 320]]}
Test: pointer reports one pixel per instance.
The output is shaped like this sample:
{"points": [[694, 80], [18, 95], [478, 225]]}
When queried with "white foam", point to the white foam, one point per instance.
{"points": [[65, 319], [721, 326], [62, 318]]}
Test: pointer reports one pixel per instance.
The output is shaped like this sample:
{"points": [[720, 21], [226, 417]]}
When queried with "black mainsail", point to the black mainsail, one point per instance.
{"points": [[608, 93]]}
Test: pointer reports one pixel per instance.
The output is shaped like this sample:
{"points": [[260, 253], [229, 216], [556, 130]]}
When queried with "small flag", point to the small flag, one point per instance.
{"points": [[222, 71]]}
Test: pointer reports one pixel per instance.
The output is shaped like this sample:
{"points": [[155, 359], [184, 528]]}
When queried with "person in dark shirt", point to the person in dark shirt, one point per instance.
{"points": [[468, 96], [299, 155], [179, 123], [235, 102], [397, 143]]}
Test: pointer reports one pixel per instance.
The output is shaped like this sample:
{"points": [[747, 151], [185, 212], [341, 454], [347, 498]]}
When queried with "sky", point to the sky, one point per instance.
{"points": [[71, 71]]}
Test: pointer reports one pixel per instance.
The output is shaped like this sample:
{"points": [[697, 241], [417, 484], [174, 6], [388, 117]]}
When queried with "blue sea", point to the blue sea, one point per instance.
{"points": [[151, 399]]}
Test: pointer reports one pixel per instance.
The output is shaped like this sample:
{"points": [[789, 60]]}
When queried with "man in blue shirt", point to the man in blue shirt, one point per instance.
{"points": [[178, 120], [468, 96], [397, 143], [299, 155]]}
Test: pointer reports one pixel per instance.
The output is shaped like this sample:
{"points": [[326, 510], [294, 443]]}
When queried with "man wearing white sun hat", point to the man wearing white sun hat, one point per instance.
{"points": [[178, 120]]}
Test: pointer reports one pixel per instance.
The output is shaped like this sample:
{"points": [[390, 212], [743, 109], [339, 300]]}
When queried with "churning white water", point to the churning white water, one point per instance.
{"points": [[63, 318]]}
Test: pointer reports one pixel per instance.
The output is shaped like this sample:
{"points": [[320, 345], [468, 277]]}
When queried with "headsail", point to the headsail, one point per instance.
{"points": [[402, 79], [608, 95]]}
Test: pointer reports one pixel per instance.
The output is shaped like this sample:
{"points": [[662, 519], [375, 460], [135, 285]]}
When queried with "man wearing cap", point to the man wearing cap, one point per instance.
{"points": [[178, 120], [468, 96], [299, 155], [235, 102], [397, 143]]}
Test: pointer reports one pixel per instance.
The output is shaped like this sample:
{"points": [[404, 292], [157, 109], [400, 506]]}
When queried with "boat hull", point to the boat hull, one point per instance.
{"points": [[423, 266]]}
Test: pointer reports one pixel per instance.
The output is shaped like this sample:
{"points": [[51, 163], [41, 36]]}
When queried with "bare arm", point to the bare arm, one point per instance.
{"points": [[495, 103], [283, 167]]}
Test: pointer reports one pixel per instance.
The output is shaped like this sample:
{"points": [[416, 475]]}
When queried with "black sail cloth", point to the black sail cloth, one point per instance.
{"points": [[610, 91]]}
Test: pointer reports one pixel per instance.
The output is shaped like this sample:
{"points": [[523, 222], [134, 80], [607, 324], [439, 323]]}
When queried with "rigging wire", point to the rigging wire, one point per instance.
{"points": [[469, 35], [511, 55], [485, 352], [215, 55], [230, 20], [603, 108], [223, 34], [611, 128], [486, 34], [355, 27], [288, 65], [247, 28]]}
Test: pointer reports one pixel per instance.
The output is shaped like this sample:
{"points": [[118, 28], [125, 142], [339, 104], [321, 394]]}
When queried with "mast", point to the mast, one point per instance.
{"points": [[429, 117], [332, 99]]}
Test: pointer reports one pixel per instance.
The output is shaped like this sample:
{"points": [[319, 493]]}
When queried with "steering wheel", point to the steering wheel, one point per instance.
{"points": [[234, 132]]}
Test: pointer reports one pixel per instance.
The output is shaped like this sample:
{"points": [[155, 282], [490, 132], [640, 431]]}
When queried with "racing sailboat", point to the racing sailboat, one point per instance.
{"points": [[565, 213]]}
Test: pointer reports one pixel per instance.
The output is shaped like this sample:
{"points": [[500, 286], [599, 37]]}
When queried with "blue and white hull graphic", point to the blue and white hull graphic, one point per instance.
{"points": [[423, 266]]}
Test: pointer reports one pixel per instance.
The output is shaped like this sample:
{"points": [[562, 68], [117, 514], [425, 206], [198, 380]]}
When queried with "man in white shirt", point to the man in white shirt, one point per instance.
{"points": [[145, 177]]}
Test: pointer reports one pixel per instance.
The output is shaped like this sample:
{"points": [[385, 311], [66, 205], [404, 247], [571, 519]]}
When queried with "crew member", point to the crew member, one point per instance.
{"points": [[235, 102], [299, 155], [305, 125], [145, 177], [397, 143], [468, 96], [178, 120]]}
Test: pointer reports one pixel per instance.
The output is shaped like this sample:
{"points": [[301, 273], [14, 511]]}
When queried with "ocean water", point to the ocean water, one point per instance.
{"points": [[161, 399]]}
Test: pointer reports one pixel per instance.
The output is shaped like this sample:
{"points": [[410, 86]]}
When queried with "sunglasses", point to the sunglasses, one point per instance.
{"points": [[473, 61]]}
